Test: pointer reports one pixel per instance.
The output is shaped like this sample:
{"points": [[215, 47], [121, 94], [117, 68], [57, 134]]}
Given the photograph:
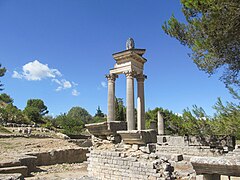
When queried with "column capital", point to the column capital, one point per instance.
{"points": [[111, 77], [129, 74], [141, 77]]}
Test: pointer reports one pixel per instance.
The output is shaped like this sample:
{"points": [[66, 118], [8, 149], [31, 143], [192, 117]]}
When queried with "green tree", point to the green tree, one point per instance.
{"points": [[3, 115], [80, 114], [2, 72], [69, 125], [33, 114], [99, 112], [196, 122], [15, 115], [212, 32], [35, 110], [99, 116], [6, 98], [173, 122], [120, 110], [227, 118]]}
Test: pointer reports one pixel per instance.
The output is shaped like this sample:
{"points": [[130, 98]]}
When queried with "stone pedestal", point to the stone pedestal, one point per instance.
{"points": [[141, 137], [104, 129], [224, 165]]}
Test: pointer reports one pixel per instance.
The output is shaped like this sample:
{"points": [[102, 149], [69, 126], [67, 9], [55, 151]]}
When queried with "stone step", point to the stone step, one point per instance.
{"points": [[10, 163], [18, 169], [13, 176]]}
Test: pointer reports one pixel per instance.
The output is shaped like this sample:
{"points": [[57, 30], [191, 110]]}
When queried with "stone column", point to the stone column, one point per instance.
{"points": [[141, 103], [131, 122], [111, 97], [160, 124]]}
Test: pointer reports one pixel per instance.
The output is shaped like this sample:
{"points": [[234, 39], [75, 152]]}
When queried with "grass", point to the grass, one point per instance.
{"points": [[4, 130]]}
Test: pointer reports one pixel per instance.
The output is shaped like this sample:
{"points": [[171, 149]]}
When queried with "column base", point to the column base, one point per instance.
{"points": [[105, 129], [140, 137]]}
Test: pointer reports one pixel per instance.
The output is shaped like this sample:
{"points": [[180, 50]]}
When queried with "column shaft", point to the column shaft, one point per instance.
{"points": [[131, 122], [141, 105], [160, 124], [111, 97]]}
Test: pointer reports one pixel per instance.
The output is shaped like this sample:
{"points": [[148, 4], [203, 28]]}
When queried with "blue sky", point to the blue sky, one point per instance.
{"points": [[59, 51]]}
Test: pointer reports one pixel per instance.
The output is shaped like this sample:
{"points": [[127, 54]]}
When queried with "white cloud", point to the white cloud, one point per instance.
{"points": [[63, 84], [75, 92], [59, 88], [35, 70], [17, 75], [104, 84], [66, 84], [56, 81]]}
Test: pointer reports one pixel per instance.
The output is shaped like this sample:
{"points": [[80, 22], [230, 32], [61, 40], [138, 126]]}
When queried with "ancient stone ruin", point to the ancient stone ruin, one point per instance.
{"points": [[126, 150]]}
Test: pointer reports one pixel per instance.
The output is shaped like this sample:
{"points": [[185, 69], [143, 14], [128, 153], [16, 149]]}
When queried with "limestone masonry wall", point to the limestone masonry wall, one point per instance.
{"points": [[61, 156], [105, 164]]}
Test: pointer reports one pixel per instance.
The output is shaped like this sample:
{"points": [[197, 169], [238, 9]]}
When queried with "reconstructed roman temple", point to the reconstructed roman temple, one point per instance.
{"points": [[129, 62], [127, 150]]}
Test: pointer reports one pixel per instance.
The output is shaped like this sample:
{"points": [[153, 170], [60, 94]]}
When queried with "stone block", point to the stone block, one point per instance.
{"points": [[13, 176], [10, 163], [140, 137], [162, 139], [217, 141], [176, 141], [172, 140], [18, 169], [105, 129], [135, 147], [176, 157], [229, 166], [136, 164]]}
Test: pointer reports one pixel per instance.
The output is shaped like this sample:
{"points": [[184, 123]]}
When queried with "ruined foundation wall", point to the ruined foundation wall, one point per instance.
{"points": [[61, 156], [105, 164]]}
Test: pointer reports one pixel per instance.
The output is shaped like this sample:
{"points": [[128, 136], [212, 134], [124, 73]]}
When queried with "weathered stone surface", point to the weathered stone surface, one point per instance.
{"points": [[171, 140], [29, 161], [105, 129], [160, 124], [61, 156], [213, 141], [106, 164], [208, 177], [13, 176], [138, 137], [62, 136], [10, 163], [81, 142], [18, 169], [189, 150], [229, 166]]}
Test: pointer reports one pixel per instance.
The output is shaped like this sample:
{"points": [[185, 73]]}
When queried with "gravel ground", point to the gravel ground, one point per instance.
{"points": [[75, 171]]}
